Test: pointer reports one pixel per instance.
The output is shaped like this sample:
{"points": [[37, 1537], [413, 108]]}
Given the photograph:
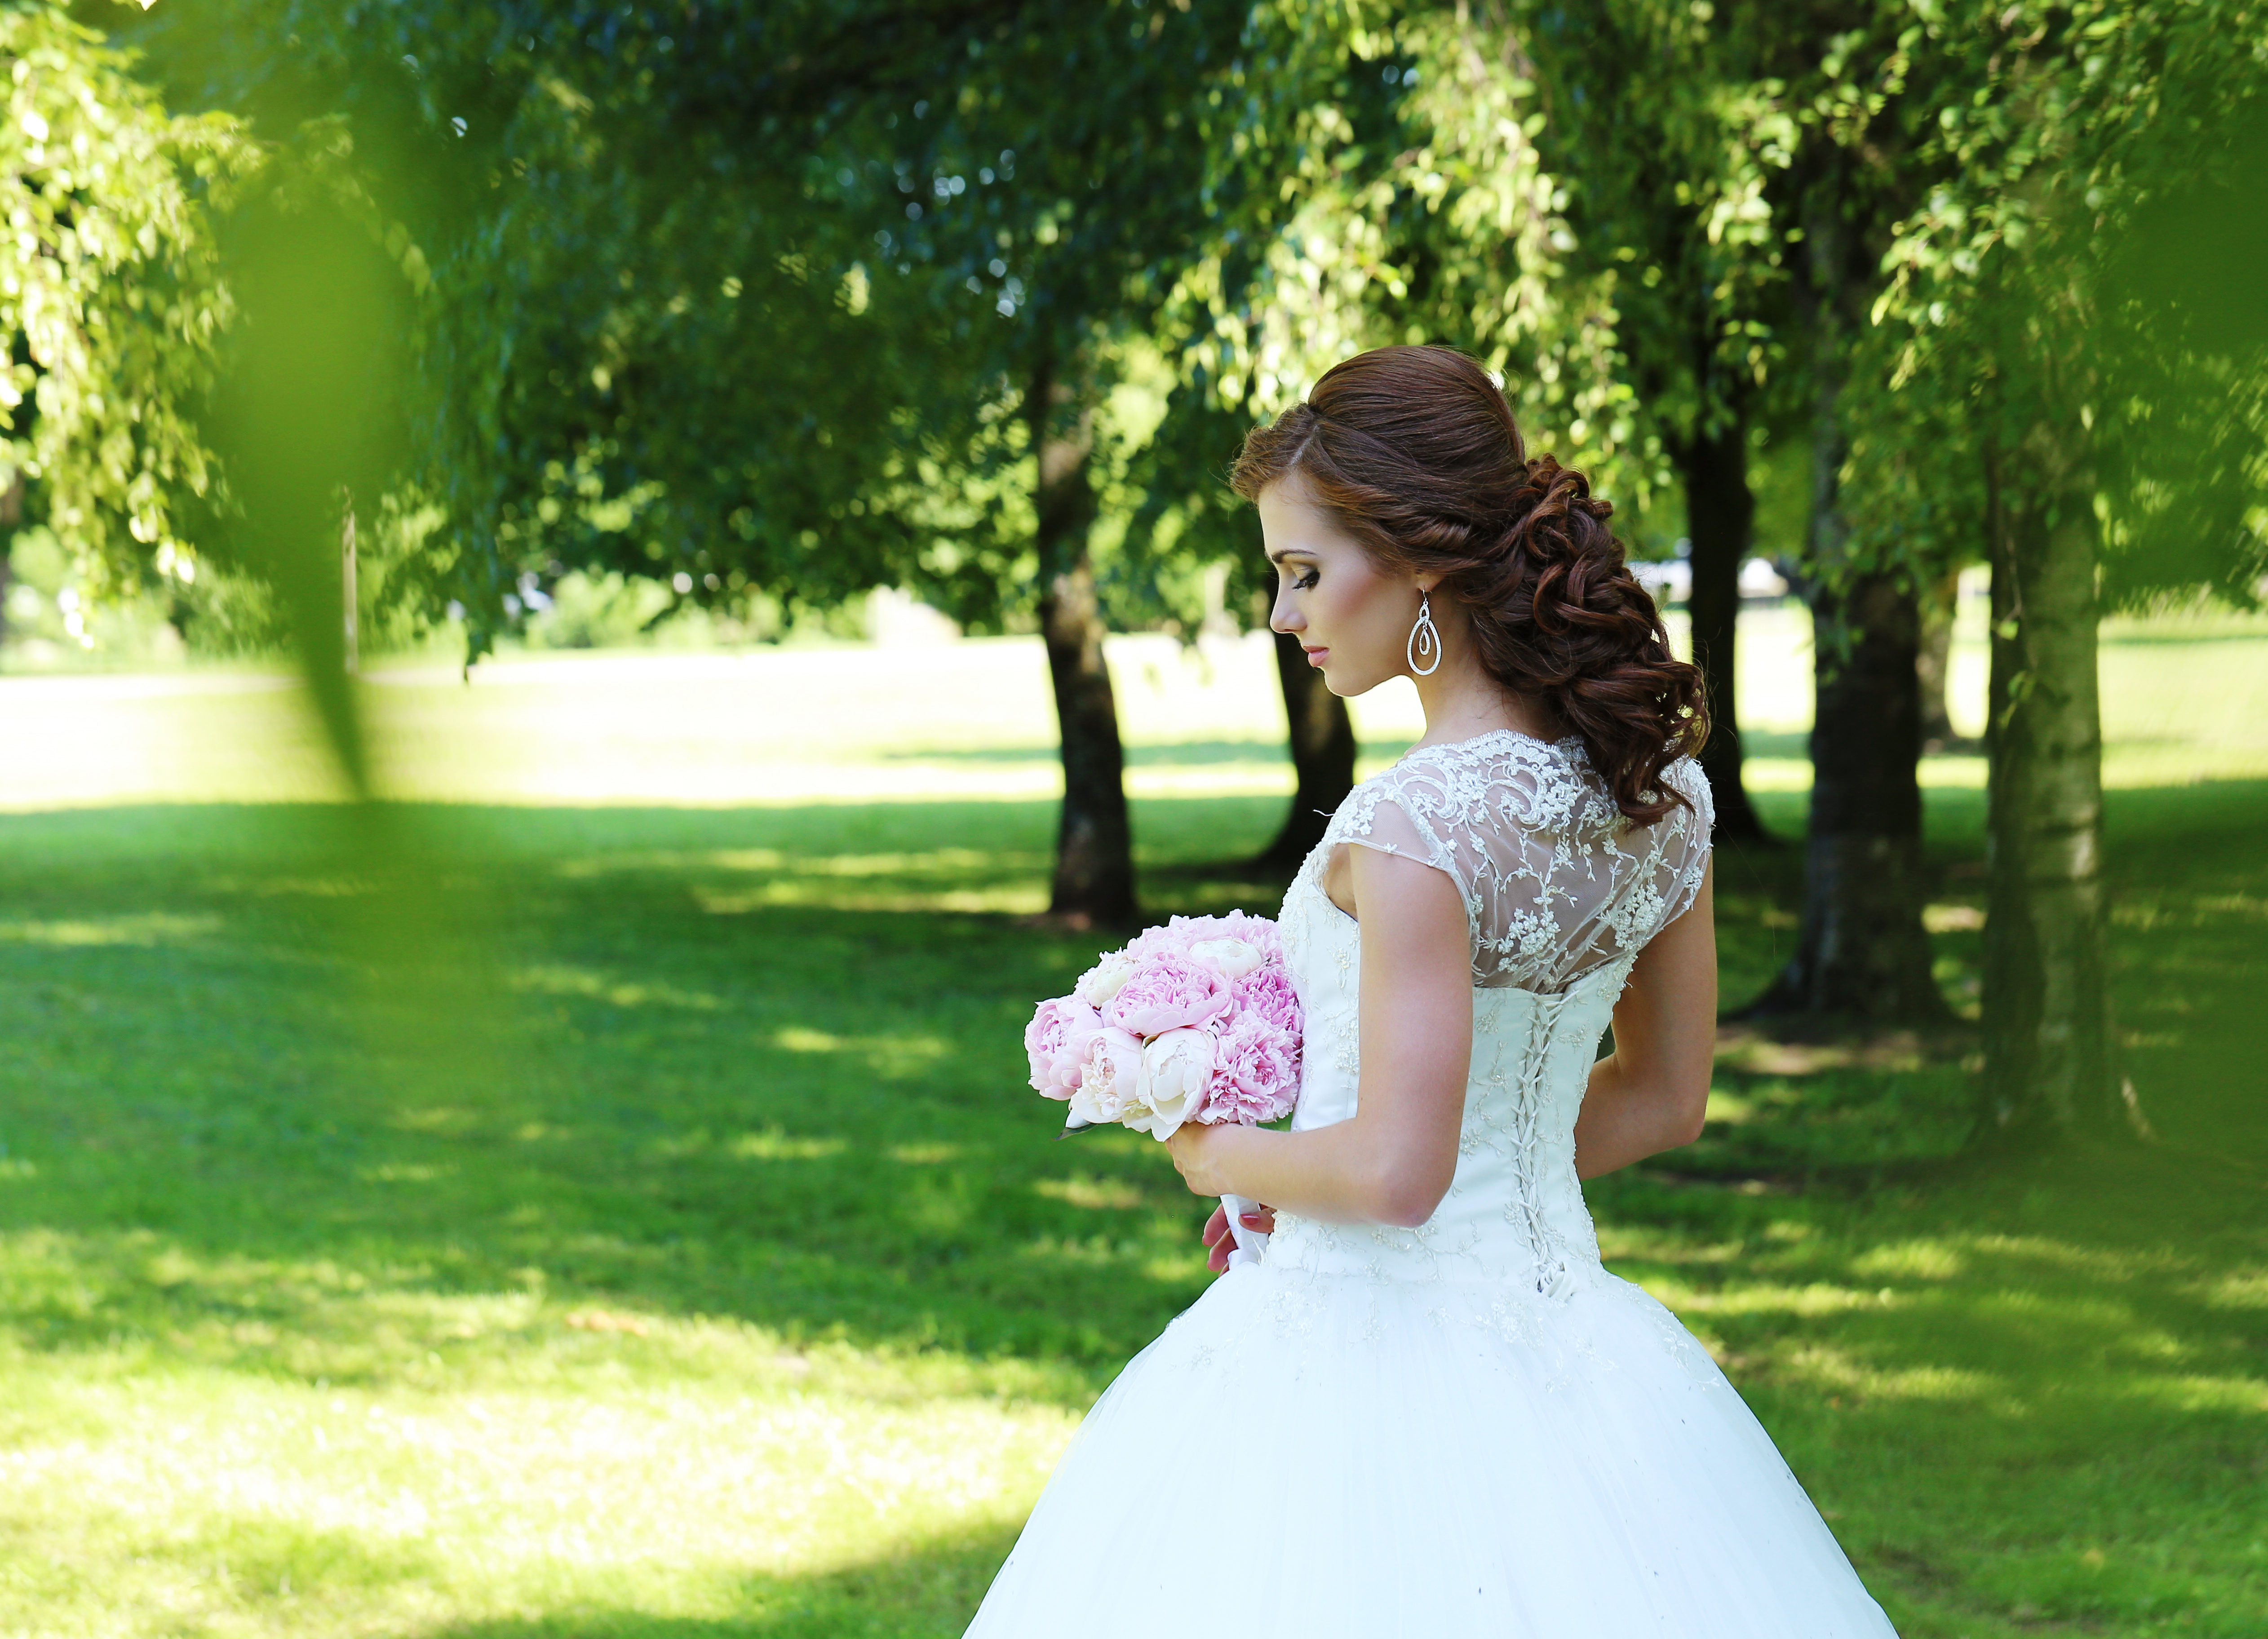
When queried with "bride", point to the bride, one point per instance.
{"points": [[1428, 1410]]}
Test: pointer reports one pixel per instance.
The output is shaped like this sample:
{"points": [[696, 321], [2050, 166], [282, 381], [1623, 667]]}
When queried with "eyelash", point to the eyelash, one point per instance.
{"points": [[1305, 582]]}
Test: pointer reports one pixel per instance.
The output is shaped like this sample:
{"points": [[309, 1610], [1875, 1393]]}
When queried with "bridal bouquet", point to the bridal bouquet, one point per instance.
{"points": [[1195, 1021]]}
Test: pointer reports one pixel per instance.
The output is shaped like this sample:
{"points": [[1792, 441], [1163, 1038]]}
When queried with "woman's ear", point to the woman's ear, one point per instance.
{"points": [[1428, 581]]}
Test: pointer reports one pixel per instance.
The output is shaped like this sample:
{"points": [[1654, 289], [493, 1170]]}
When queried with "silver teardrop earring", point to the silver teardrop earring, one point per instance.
{"points": [[1425, 640]]}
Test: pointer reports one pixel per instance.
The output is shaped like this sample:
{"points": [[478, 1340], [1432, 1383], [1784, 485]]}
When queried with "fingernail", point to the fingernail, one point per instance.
{"points": [[1251, 1220]]}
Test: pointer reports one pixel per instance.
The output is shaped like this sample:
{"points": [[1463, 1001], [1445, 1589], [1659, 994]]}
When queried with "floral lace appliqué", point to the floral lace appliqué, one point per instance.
{"points": [[1561, 894], [1555, 881]]}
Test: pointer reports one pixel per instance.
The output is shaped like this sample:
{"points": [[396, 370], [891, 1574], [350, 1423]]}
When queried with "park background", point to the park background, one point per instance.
{"points": [[594, 608]]}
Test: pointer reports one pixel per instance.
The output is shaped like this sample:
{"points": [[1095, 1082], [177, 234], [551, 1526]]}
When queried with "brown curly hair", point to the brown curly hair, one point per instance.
{"points": [[1414, 451]]}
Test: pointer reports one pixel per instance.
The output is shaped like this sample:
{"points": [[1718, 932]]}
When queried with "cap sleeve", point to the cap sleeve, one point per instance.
{"points": [[1686, 849], [1555, 881], [1401, 812]]}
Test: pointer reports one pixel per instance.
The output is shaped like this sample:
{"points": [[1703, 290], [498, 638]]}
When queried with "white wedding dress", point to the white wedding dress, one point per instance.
{"points": [[1470, 1428]]}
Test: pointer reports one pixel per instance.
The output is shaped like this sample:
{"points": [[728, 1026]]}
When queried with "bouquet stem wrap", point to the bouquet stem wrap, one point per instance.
{"points": [[1251, 1245]]}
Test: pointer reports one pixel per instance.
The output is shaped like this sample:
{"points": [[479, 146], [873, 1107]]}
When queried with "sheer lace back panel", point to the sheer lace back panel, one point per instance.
{"points": [[1556, 882], [1560, 896]]}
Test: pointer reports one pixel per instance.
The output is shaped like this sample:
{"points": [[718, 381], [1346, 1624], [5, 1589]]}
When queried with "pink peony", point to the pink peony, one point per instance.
{"points": [[1195, 1020], [1171, 938], [1255, 1072], [1166, 993], [1266, 992], [1257, 931], [1057, 1041], [1175, 937]]}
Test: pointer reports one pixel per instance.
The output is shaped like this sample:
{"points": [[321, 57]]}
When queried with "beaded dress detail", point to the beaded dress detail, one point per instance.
{"points": [[1471, 1427]]}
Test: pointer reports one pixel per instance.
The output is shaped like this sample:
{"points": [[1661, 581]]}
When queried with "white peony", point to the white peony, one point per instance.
{"points": [[1110, 1080], [1105, 979], [1176, 1071], [1231, 958]]}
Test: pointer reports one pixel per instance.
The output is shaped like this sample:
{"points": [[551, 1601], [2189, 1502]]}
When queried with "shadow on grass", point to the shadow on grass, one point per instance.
{"points": [[697, 1084], [760, 1066], [754, 1064]]}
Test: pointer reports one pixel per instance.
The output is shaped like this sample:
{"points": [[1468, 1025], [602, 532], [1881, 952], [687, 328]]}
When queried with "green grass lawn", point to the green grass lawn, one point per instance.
{"points": [[516, 1220]]}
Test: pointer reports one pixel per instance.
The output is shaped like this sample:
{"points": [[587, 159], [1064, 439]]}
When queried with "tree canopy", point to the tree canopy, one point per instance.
{"points": [[810, 297], [113, 302]]}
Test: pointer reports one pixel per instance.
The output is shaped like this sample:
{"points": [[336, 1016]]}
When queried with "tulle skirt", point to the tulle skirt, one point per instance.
{"points": [[1308, 1456]]}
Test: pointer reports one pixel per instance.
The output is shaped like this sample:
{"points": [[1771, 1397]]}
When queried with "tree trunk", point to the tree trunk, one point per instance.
{"points": [[1861, 952], [1094, 857], [2049, 1068], [1939, 607], [1720, 522], [1322, 756]]}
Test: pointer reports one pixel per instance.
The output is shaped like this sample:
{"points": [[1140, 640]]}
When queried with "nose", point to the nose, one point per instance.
{"points": [[1284, 615]]}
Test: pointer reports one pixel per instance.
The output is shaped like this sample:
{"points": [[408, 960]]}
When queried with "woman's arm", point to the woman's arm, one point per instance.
{"points": [[1650, 1094], [1393, 1161]]}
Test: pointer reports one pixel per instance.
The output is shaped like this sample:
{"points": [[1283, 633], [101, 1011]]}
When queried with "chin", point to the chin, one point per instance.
{"points": [[1349, 687]]}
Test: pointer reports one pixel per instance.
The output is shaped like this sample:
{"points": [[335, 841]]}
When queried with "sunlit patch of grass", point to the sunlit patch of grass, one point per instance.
{"points": [[148, 928], [403, 1173], [1839, 1373], [265, 1508], [2246, 1290], [796, 1039], [437, 1118], [2188, 1393], [1095, 1194], [890, 1057], [671, 863], [777, 1146], [1911, 1261], [1760, 1297], [730, 1282], [942, 861], [924, 1155], [1019, 900], [2146, 913], [552, 979]]}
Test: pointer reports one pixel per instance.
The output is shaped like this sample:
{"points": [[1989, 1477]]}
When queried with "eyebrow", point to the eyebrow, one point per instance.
{"points": [[1289, 551]]}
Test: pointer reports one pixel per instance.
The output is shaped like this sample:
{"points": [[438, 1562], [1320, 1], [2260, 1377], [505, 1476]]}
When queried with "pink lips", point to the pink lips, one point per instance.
{"points": [[1315, 655]]}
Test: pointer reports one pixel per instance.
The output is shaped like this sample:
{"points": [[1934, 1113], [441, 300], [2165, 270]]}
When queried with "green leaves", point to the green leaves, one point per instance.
{"points": [[2031, 283], [111, 299], [746, 294]]}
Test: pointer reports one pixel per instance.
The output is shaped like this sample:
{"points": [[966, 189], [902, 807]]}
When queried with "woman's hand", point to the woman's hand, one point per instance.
{"points": [[1196, 1150], [1220, 1243]]}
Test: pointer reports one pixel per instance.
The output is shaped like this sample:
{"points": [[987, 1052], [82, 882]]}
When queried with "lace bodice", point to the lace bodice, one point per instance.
{"points": [[1560, 896], [1555, 883]]}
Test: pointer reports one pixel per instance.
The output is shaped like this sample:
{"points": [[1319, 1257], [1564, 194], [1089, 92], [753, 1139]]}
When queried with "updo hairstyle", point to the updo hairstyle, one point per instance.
{"points": [[1415, 453]]}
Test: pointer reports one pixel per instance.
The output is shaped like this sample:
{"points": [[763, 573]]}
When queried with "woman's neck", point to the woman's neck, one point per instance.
{"points": [[1463, 702]]}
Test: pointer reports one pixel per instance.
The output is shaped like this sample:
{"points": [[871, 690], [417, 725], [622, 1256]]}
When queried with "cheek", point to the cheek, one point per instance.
{"points": [[1358, 609]]}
